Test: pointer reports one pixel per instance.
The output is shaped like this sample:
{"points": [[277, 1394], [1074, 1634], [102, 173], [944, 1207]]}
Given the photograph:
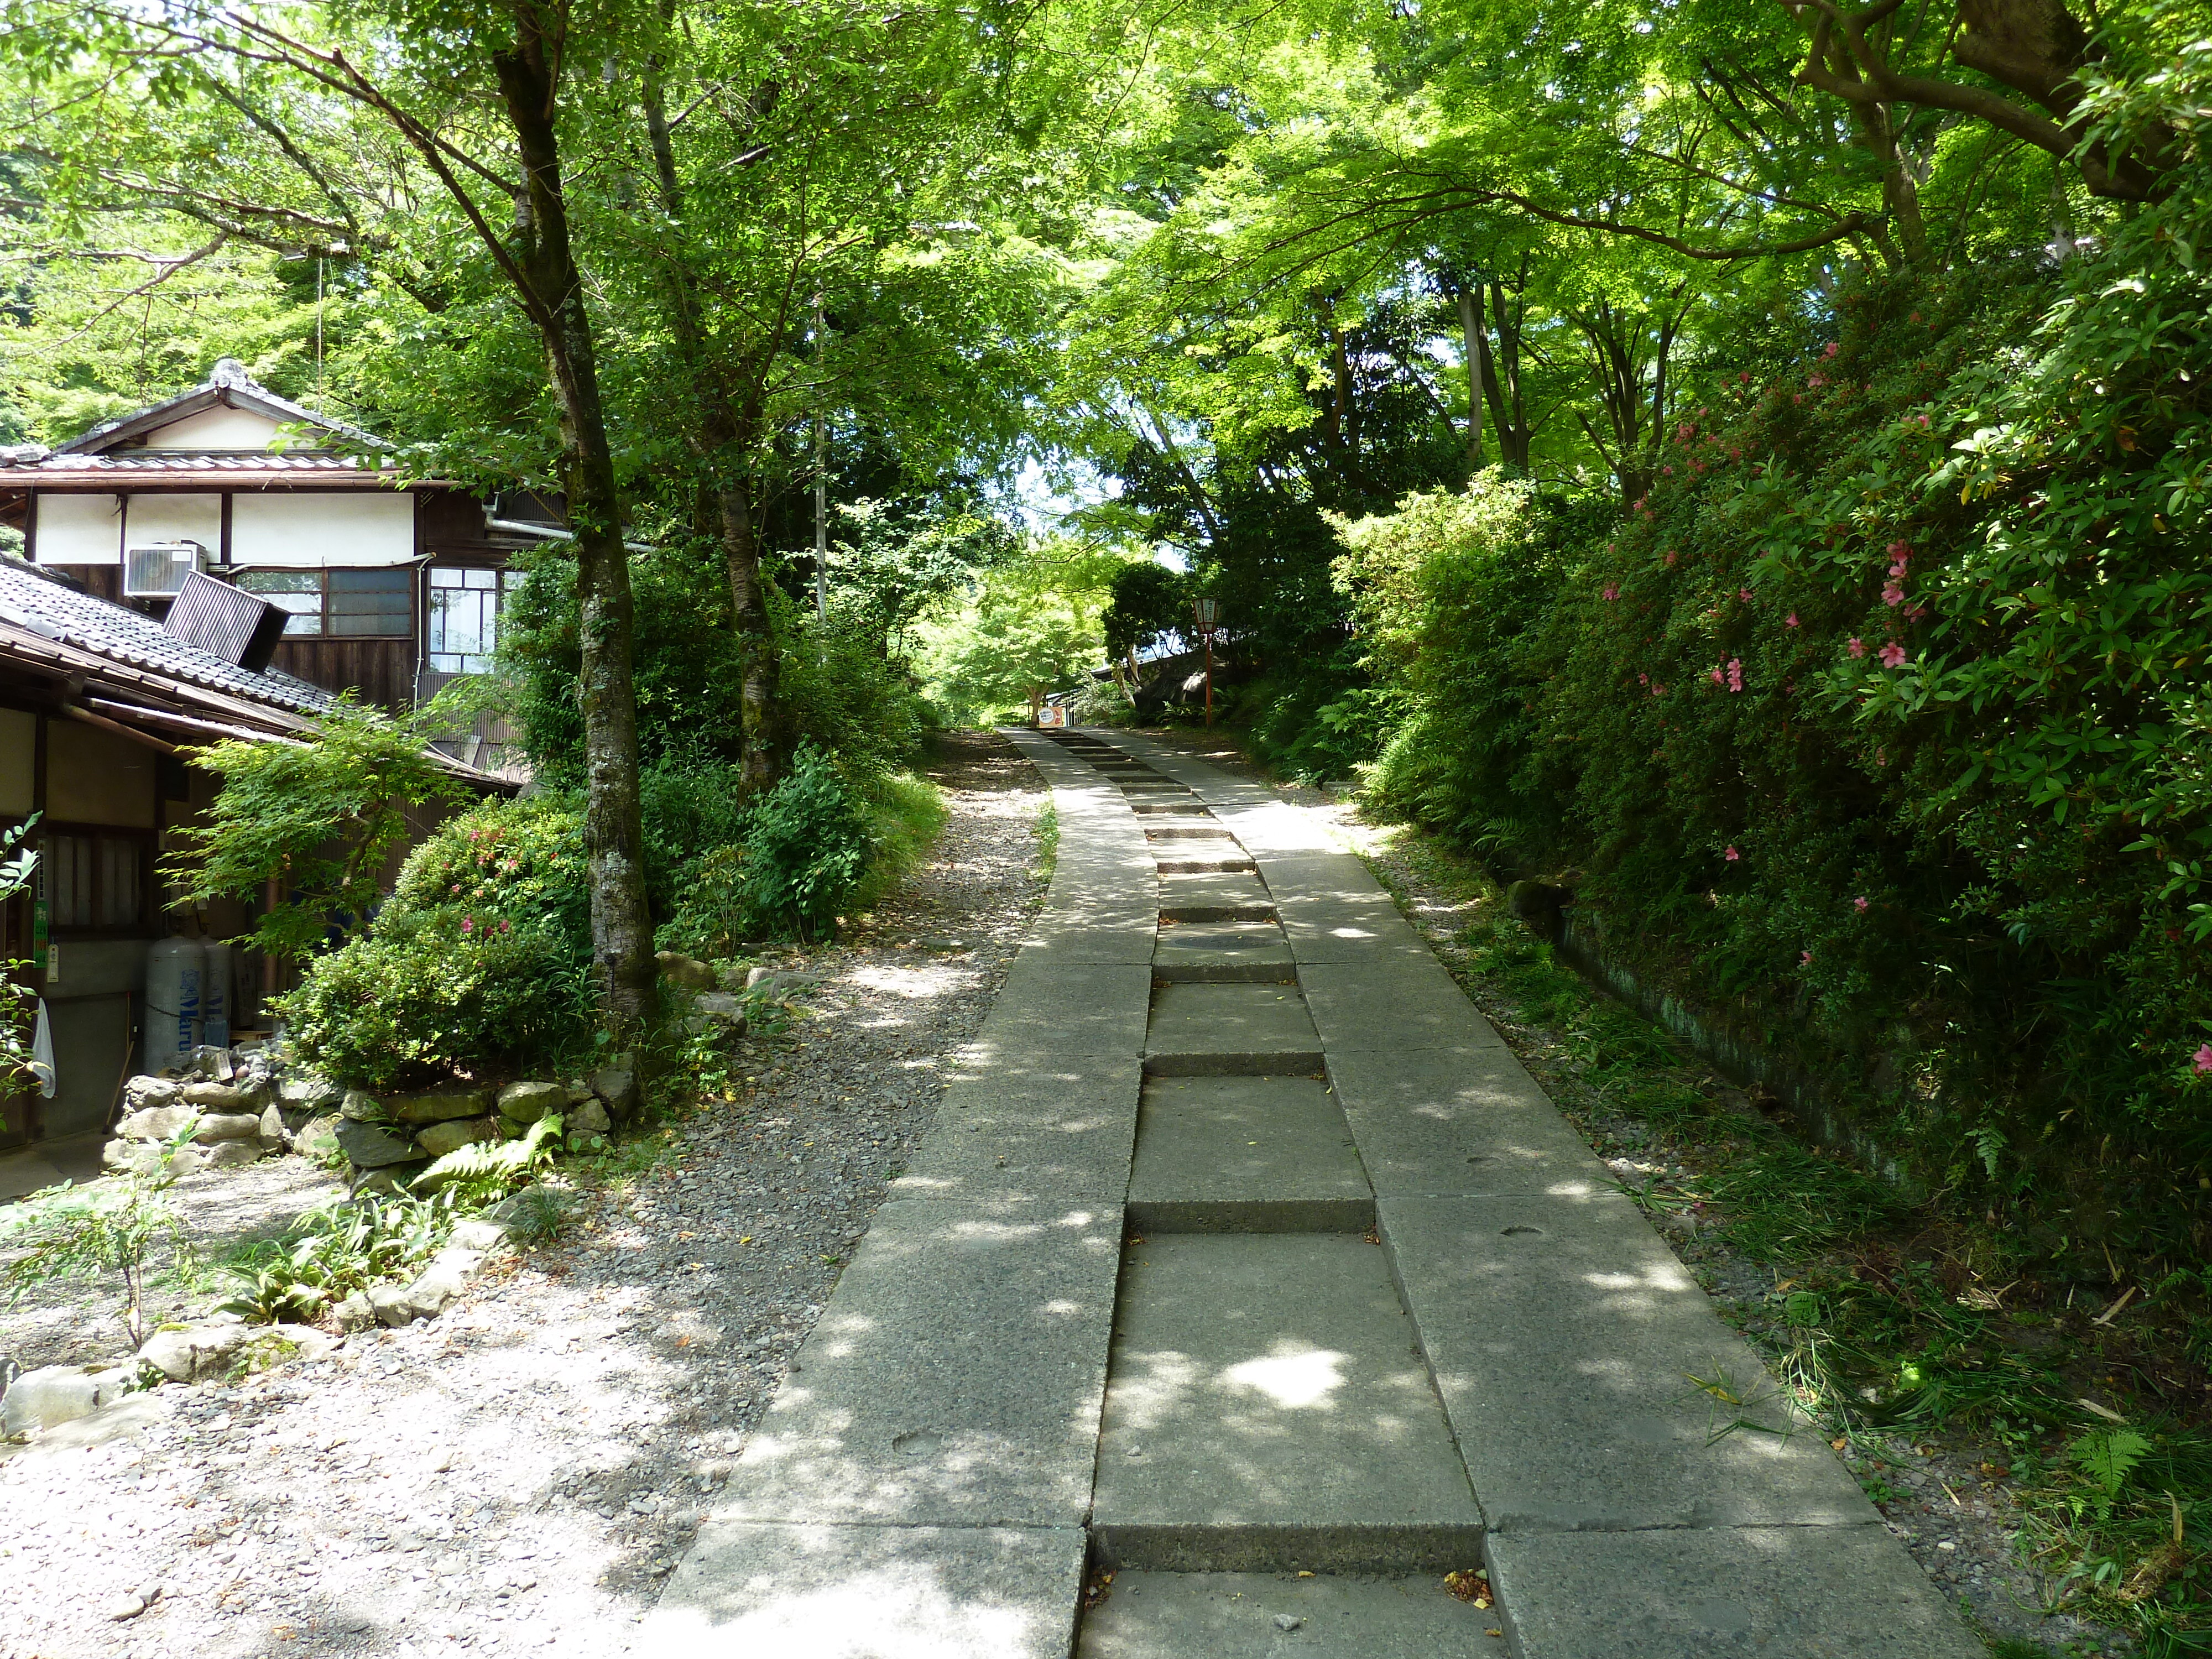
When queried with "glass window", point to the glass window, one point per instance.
{"points": [[299, 592], [370, 602], [464, 617]]}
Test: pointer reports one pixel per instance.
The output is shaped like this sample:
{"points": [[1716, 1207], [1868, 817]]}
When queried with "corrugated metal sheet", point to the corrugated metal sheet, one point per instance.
{"points": [[236, 626]]}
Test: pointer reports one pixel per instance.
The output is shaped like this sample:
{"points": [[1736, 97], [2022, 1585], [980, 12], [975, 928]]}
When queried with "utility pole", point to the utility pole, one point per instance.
{"points": [[821, 477]]}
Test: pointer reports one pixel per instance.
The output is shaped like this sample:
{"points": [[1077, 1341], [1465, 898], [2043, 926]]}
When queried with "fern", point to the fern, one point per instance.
{"points": [[2108, 1456], [485, 1172]]}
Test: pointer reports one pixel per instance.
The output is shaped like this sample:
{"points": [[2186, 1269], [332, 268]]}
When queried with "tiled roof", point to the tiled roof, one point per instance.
{"points": [[49, 605], [156, 460]]}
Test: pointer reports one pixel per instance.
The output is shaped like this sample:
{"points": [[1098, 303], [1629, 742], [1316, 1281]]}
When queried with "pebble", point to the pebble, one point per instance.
{"points": [[567, 1412]]}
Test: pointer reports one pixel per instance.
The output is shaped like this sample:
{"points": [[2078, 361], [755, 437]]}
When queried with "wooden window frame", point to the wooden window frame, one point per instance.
{"points": [[322, 574]]}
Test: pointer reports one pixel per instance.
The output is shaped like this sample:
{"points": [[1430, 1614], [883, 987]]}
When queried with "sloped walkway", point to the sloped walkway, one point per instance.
{"points": [[1244, 1262]]}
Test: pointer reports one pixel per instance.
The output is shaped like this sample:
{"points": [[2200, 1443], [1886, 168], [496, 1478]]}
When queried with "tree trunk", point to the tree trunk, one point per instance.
{"points": [[622, 926], [1476, 346], [764, 742]]}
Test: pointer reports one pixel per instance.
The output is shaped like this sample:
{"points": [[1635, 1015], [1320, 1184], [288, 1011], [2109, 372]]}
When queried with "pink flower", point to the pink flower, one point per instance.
{"points": [[457, 891], [2201, 1062], [506, 927], [1744, 378], [1668, 471], [1643, 679], [1611, 591], [468, 924], [1856, 648], [1804, 958], [1893, 595], [1894, 655], [1715, 676], [1816, 380], [1684, 433], [1859, 904], [1744, 593], [1915, 612], [1731, 855], [1832, 350], [1792, 621], [1670, 556], [1736, 674], [1923, 421]]}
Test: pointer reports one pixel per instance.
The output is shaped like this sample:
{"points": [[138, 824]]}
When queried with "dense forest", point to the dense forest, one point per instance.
{"points": [[1744, 462]]}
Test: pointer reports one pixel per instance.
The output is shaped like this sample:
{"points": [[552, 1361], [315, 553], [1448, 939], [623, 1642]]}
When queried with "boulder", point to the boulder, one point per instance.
{"points": [[154, 1122], [437, 1105], [230, 1154], [525, 1103], [140, 1157], [227, 1126], [391, 1304], [319, 1139], [781, 986], [616, 1084], [588, 1118], [724, 1008], [391, 1181], [304, 1092], [359, 1107], [445, 1277], [196, 1352], [439, 1139], [475, 1233], [190, 1160], [54, 1395], [367, 1147], [355, 1313], [142, 1092], [212, 1097], [271, 1130], [688, 972]]}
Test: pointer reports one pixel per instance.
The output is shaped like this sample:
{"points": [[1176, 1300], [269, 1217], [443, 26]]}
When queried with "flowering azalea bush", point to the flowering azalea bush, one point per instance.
{"points": [[1882, 719]]}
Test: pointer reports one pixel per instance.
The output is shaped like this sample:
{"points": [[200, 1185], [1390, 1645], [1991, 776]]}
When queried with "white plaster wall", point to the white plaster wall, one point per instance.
{"points": [[151, 517], [302, 528], [79, 529], [214, 429]]}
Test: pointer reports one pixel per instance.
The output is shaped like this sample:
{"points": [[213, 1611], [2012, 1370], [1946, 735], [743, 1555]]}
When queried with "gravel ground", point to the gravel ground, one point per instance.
{"points": [[1945, 1497], [518, 1474]]}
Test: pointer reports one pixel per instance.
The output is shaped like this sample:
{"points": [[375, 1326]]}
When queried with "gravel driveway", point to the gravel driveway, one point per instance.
{"points": [[518, 1474]]}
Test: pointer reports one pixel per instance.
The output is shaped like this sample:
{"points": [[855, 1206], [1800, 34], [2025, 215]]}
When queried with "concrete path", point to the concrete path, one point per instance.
{"points": [[1245, 1262]]}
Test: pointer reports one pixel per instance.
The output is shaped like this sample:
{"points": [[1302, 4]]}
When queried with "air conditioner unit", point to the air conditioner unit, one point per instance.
{"points": [[158, 570]]}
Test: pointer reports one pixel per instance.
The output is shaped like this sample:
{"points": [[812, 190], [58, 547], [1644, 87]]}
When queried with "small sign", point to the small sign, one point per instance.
{"points": [[1050, 716]]}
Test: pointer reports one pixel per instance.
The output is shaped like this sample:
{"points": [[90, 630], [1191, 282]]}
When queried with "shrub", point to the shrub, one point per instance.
{"points": [[431, 993], [808, 847], [514, 861]]}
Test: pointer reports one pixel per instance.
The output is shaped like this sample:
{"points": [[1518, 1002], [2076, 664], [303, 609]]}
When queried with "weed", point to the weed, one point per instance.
{"points": [[1047, 831], [114, 1226], [331, 1252]]}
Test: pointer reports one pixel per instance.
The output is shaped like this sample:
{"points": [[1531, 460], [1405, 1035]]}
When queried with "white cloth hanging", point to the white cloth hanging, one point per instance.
{"points": [[42, 1052]]}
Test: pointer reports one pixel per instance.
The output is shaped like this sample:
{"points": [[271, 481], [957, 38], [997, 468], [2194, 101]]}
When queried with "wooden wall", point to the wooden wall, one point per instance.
{"points": [[381, 671]]}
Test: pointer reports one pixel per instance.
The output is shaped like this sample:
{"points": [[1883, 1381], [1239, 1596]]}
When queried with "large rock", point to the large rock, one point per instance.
{"points": [[271, 1130], [230, 1154], [55, 1394], [616, 1084], [304, 1092], [391, 1304], [319, 1139], [442, 1280], [142, 1157], [227, 1126], [525, 1103], [723, 1008], [392, 1181], [439, 1139], [190, 1160], [155, 1122], [437, 1105], [588, 1117], [142, 1092], [355, 1313], [197, 1352], [214, 1096], [358, 1106], [367, 1147], [688, 972]]}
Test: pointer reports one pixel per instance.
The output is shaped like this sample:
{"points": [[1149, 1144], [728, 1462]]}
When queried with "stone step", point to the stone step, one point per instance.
{"points": [[1179, 866], [1188, 832], [1245, 1155], [1254, 1615], [1223, 953], [1215, 896], [1181, 809], [1266, 1410], [1229, 1030]]}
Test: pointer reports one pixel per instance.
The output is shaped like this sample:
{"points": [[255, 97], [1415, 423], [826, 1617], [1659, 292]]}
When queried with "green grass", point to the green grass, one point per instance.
{"points": [[906, 814], [1880, 1322], [1047, 831]]}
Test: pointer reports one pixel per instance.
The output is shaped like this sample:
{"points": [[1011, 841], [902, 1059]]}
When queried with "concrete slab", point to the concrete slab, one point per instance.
{"points": [[1171, 809], [1357, 931], [1466, 1121], [1231, 1615], [1240, 1020], [1393, 1002], [785, 1592], [1041, 1129], [1223, 952], [1192, 833], [1268, 1411], [1565, 1338], [1311, 874], [955, 1376], [1806, 1592], [1055, 1008], [1245, 1154], [1202, 861], [1230, 896]]}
